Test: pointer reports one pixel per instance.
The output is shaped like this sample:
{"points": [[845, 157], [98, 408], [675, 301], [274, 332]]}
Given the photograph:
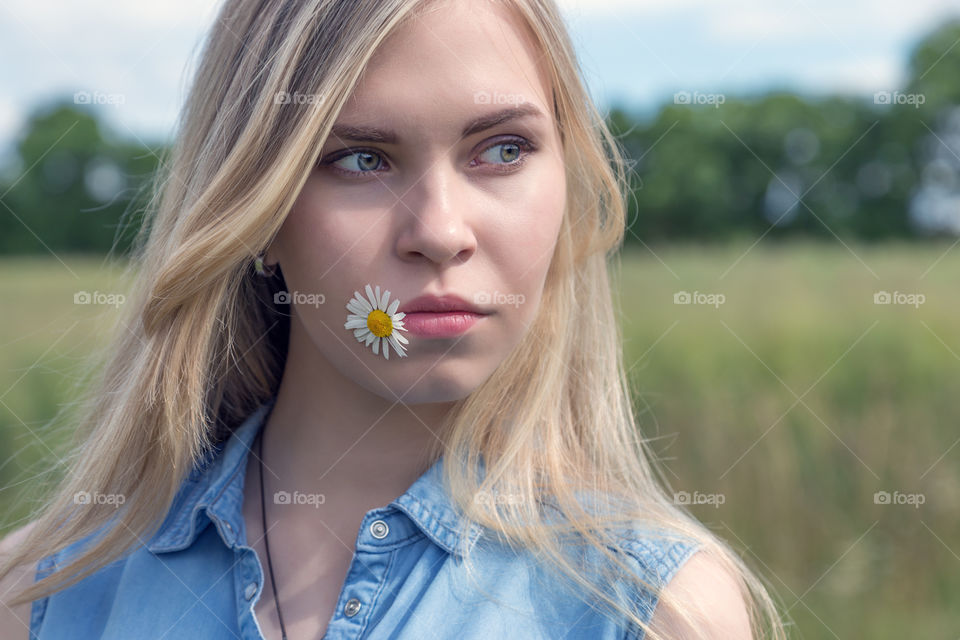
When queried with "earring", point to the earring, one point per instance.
{"points": [[261, 269]]}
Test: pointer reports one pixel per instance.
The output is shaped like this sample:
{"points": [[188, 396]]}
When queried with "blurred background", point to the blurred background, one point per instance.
{"points": [[788, 282]]}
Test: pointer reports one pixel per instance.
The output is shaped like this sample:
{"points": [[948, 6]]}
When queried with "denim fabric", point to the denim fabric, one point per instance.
{"points": [[198, 578]]}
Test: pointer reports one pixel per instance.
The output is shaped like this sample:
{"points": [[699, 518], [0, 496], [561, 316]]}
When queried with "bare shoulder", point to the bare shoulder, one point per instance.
{"points": [[15, 621], [712, 597]]}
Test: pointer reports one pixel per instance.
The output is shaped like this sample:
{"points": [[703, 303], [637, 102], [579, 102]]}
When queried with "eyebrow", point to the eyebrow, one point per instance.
{"points": [[484, 122]]}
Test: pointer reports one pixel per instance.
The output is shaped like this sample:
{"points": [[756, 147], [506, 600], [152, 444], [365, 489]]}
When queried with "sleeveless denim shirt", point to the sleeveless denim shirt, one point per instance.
{"points": [[198, 578]]}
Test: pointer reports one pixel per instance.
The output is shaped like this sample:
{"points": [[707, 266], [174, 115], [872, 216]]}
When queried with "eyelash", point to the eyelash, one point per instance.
{"points": [[525, 145]]}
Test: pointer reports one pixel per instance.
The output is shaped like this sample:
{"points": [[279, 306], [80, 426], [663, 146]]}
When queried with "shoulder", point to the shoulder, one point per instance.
{"points": [[15, 620], [711, 595]]}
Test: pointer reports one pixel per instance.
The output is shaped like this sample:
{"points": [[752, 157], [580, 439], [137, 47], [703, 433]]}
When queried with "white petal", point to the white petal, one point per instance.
{"points": [[399, 337], [399, 316], [386, 299], [361, 333], [356, 307], [386, 348], [370, 297], [379, 297], [355, 323], [393, 307], [396, 345], [370, 338], [376, 345], [360, 303]]}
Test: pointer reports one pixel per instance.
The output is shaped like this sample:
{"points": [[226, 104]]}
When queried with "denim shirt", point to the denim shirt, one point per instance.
{"points": [[198, 578]]}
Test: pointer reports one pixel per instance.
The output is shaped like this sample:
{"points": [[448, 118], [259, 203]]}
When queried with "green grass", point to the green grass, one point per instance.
{"points": [[797, 399], [717, 393], [44, 341]]}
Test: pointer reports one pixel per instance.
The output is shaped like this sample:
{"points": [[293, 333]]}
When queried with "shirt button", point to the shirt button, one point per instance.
{"points": [[250, 590], [350, 609], [379, 529]]}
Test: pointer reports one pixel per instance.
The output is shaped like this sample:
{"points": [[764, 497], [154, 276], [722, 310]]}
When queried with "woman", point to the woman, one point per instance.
{"points": [[376, 290]]}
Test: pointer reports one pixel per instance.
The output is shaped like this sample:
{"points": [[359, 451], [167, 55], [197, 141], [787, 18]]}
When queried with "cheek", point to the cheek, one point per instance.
{"points": [[325, 237], [527, 232], [328, 248]]}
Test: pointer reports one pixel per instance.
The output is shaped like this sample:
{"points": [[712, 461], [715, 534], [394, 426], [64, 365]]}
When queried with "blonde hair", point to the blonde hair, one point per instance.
{"points": [[199, 345]]}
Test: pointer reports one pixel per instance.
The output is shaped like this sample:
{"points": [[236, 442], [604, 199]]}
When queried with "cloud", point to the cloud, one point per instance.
{"points": [[862, 75], [638, 50], [10, 118]]}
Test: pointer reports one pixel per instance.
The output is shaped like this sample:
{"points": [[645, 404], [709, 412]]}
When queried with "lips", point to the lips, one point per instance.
{"points": [[446, 316], [440, 304]]}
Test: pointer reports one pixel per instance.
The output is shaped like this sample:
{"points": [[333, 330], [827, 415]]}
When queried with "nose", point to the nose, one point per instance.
{"points": [[436, 224]]}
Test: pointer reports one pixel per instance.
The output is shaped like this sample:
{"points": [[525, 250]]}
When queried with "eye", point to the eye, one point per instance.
{"points": [[357, 161], [507, 153], [504, 156]]}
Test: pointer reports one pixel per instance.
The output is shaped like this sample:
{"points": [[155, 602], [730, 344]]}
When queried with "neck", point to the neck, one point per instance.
{"points": [[325, 430]]}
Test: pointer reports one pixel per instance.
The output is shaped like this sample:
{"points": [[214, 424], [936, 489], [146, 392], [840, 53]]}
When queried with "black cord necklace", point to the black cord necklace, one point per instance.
{"points": [[266, 541]]}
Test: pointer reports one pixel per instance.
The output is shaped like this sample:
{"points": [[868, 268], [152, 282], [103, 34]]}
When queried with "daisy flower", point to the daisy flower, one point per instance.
{"points": [[372, 321]]}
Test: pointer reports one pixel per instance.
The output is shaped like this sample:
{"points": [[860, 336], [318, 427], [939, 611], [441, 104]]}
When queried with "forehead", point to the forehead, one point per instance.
{"points": [[453, 57]]}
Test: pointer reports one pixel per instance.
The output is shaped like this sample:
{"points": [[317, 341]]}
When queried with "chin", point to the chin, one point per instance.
{"points": [[437, 391], [434, 387]]}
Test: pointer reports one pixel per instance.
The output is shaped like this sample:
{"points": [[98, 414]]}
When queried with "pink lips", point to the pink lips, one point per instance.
{"points": [[440, 325], [440, 316]]}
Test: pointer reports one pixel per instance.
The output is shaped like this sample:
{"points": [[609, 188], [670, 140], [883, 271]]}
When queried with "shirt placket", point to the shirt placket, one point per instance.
{"points": [[365, 581], [367, 577]]}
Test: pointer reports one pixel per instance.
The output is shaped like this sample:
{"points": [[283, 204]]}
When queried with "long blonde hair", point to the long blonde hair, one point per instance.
{"points": [[199, 345]]}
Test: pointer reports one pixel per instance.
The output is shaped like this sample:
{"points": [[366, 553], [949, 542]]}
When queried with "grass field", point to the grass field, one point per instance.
{"points": [[792, 399]]}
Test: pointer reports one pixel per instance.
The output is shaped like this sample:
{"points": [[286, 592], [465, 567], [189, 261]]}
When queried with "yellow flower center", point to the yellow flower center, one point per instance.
{"points": [[379, 323]]}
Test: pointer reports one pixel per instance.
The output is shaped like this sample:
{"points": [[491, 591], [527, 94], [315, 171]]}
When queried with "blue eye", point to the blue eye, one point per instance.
{"points": [[509, 153], [364, 161], [504, 156]]}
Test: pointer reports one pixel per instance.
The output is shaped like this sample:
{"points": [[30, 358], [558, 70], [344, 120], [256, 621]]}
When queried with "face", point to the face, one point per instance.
{"points": [[444, 176]]}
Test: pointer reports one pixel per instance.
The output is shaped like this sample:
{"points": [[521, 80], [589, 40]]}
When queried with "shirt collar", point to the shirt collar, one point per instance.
{"points": [[214, 491]]}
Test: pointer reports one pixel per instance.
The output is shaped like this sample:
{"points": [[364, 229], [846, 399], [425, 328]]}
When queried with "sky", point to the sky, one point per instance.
{"points": [[636, 54]]}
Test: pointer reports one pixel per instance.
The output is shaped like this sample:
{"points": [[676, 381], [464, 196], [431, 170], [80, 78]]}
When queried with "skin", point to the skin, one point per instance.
{"points": [[434, 213], [712, 598]]}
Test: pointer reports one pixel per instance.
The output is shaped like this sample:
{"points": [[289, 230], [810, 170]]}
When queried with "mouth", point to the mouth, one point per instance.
{"points": [[449, 303], [445, 324]]}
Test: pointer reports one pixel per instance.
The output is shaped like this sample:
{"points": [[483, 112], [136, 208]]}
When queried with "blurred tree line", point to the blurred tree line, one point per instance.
{"points": [[72, 185], [705, 167], [871, 169]]}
